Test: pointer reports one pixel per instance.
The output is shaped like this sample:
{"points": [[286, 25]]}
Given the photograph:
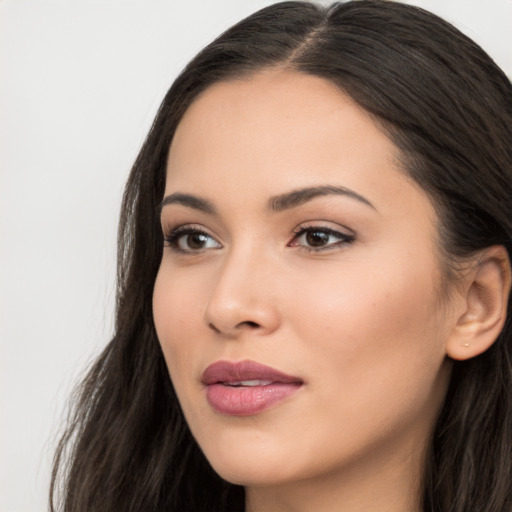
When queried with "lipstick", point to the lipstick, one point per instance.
{"points": [[246, 388]]}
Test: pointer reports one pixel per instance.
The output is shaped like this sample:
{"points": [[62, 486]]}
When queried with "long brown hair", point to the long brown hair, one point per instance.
{"points": [[448, 108]]}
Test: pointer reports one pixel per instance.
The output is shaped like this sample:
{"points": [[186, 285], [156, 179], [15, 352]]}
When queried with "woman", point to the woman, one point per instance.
{"points": [[314, 245]]}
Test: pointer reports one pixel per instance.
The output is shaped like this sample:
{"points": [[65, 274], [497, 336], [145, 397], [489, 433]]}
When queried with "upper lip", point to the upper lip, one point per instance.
{"points": [[227, 371]]}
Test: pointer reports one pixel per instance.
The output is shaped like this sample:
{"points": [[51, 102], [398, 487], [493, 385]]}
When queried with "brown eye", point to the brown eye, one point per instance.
{"points": [[320, 238], [194, 241], [317, 238], [191, 240]]}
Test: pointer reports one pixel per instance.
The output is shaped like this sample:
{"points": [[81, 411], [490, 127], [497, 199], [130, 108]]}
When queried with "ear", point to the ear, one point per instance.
{"points": [[485, 305]]}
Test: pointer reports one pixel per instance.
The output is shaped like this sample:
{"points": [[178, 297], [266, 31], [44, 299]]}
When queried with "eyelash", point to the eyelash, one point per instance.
{"points": [[173, 239], [343, 238]]}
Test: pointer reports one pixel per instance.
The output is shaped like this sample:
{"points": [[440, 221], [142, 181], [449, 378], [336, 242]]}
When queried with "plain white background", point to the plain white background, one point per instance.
{"points": [[80, 83]]}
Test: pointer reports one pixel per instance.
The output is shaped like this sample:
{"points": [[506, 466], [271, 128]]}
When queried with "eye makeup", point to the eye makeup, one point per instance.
{"points": [[315, 238], [189, 239]]}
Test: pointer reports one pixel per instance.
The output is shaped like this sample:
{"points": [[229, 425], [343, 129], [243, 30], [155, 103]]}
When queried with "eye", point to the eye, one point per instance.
{"points": [[191, 240], [316, 238]]}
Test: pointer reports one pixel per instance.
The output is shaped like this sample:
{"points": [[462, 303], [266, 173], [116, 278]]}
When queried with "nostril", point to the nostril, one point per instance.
{"points": [[211, 326], [248, 323]]}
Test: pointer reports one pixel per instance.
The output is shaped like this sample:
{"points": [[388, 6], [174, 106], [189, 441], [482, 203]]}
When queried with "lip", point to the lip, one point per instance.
{"points": [[245, 388]]}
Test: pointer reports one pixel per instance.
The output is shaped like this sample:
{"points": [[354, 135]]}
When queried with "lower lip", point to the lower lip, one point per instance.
{"points": [[246, 401]]}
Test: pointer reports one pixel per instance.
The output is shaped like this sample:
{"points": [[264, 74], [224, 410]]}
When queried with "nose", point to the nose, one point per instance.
{"points": [[243, 298]]}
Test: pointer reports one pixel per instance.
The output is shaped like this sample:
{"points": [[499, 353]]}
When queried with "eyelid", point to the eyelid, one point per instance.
{"points": [[172, 239], [173, 235], [344, 238]]}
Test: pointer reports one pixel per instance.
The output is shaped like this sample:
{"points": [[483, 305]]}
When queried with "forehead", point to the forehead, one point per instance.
{"points": [[281, 130]]}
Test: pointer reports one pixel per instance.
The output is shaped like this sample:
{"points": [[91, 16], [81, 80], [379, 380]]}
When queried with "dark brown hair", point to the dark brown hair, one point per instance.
{"points": [[448, 108]]}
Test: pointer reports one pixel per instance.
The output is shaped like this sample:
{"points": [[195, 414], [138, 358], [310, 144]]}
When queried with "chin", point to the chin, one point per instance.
{"points": [[250, 463], [250, 474]]}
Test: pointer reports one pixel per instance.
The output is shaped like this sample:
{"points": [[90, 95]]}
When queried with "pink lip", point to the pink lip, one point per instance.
{"points": [[221, 377]]}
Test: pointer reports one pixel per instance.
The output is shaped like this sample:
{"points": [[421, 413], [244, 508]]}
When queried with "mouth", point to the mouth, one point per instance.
{"points": [[246, 388]]}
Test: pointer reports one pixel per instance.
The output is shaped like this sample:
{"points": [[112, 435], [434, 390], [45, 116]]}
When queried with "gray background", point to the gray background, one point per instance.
{"points": [[80, 83]]}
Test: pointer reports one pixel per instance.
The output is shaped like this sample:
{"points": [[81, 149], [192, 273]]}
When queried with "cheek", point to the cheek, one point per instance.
{"points": [[373, 328], [374, 354], [177, 312]]}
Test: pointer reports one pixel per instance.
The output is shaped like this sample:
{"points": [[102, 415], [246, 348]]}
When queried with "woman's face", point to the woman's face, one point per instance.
{"points": [[293, 241]]}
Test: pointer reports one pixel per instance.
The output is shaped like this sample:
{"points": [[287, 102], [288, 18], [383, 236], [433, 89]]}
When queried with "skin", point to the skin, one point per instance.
{"points": [[364, 324]]}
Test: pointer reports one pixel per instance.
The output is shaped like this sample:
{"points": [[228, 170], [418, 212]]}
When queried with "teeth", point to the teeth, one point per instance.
{"points": [[249, 383]]}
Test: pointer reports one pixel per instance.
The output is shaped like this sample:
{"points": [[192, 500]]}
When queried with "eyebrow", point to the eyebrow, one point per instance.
{"points": [[194, 202], [277, 203], [303, 195]]}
